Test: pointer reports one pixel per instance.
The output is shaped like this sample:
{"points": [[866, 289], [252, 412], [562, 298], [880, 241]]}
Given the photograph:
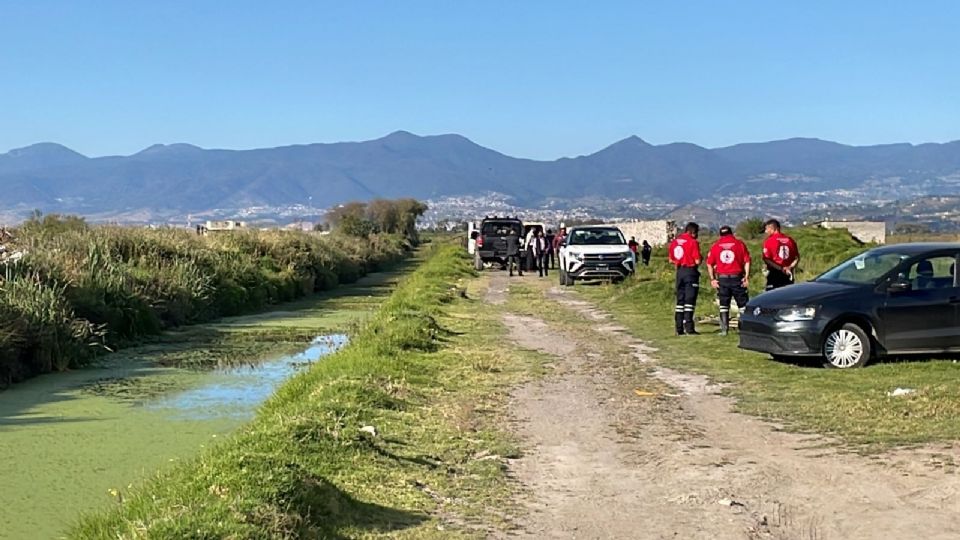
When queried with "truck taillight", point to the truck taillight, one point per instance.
{"points": [[479, 241]]}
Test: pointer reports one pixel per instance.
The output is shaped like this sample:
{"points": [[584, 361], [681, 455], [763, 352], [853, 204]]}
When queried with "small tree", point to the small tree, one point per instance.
{"points": [[751, 228]]}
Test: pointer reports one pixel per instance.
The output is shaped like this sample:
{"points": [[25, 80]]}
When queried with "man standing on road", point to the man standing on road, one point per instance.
{"points": [[540, 253], [780, 254], [559, 240], [513, 252], [728, 264], [684, 253], [550, 237]]}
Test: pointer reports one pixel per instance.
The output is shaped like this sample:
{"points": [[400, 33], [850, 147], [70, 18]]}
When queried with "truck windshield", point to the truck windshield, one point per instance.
{"points": [[594, 237]]}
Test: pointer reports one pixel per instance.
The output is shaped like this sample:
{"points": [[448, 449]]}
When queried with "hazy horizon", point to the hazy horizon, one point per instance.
{"points": [[599, 148]]}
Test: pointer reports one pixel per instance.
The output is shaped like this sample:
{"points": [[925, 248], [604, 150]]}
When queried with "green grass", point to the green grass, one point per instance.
{"points": [[852, 405], [428, 371]]}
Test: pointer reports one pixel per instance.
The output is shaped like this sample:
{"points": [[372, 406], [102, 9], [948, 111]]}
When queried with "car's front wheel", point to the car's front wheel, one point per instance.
{"points": [[847, 346]]}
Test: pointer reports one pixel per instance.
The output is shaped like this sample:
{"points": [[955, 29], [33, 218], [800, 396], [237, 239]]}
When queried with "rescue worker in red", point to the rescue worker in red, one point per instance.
{"points": [[684, 253], [780, 254], [728, 264]]}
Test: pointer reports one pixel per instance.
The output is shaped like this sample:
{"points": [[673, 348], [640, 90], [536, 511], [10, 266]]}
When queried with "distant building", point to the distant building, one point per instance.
{"points": [[868, 232], [305, 226], [227, 225], [657, 232]]}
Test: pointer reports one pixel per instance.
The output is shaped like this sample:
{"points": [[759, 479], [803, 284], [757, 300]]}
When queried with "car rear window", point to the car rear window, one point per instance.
{"points": [[500, 228]]}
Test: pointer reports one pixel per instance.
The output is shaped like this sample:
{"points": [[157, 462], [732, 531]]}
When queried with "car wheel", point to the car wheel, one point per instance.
{"points": [[846, 347]]}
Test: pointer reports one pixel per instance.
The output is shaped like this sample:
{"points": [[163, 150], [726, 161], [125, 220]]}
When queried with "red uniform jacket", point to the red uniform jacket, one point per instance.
{"points": [[684, 250], [729, 254], [781, 249]]}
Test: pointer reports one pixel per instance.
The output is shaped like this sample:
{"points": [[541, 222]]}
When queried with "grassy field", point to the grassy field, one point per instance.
{"points": [[428, 374], [81, 291], [852, 405]]}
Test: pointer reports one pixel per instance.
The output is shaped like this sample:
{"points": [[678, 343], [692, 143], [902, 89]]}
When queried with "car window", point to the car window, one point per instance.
{"points": [[932, 273], [864, 268]]}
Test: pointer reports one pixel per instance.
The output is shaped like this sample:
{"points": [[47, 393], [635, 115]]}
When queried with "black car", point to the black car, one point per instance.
{"points": [[491, 240], [893, 300]]}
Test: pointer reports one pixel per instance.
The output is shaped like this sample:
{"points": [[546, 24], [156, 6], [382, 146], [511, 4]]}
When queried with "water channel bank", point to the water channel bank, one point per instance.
{"points": [[72, 442]]}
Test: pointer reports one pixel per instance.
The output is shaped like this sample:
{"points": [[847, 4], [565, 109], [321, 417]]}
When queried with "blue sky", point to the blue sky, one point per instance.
{"points": [[532, 79]]}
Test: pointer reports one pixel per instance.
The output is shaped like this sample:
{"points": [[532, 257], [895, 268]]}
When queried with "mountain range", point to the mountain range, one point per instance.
{"points": [[185, 178]]}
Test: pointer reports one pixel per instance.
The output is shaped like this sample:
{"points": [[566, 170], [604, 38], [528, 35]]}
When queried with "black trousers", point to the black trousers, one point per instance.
{"points": [[542, 264], [646, 259], [552, 260], [731, 288], [777, 279], [688, 288]]}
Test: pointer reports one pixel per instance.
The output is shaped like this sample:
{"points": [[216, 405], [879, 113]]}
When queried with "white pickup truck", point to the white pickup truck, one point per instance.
{"points": [[595, 252]]}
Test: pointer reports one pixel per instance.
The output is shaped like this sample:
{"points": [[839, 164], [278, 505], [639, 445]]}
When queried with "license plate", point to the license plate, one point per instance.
{"points": [[603, 265]]}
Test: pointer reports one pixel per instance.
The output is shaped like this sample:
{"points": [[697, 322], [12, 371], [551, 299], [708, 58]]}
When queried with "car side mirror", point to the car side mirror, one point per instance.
{"points": [[899, 284]]}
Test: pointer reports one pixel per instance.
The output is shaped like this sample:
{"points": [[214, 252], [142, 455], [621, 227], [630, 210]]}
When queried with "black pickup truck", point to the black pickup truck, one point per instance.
{"points": [[491, 240]]}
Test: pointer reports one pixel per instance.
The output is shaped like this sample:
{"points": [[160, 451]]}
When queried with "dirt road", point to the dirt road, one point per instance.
{"points": [[602, 461]]}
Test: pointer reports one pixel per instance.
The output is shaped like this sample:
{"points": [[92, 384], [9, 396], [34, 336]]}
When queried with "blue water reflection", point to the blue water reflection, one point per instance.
{"points": [[236, 392]]}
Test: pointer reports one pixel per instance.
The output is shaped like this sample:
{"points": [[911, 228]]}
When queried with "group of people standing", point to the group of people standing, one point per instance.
{"points": [[728, 265], [537, 252]]}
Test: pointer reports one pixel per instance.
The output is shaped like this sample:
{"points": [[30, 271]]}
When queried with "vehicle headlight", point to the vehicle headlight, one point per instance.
{"points": [[577, 256], [794, 314]]}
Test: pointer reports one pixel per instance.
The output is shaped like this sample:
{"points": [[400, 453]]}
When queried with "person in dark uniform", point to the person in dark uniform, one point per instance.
{"points": [[645, 252], [780, 254], [551, 258], [513, 252], [684, 253], [728, 264]]}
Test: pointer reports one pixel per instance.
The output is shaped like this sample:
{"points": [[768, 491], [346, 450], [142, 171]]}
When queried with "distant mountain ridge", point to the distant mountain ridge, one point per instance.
{"points": [[186, 178]]}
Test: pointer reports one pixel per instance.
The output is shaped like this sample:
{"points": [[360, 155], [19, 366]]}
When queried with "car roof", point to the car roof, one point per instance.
{"points": [[595, 227], [917, 248]]}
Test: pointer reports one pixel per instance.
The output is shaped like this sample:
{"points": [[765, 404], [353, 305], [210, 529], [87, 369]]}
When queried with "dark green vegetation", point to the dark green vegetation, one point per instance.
{"points": [[852, 404], [378, 216], [83, 290], [426, 373]]}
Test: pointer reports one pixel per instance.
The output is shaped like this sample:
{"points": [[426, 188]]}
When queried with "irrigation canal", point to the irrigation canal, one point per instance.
{"points": [[74, 442]]}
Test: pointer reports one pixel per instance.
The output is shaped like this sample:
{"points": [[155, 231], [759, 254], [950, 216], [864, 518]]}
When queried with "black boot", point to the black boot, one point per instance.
{"points": [[688, 327], [678, 322], [724, 322]]}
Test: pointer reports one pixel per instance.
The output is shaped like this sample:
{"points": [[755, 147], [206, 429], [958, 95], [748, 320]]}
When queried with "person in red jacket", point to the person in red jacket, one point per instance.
{"points": [[728, 264], [780, 254], [684, 253]]}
